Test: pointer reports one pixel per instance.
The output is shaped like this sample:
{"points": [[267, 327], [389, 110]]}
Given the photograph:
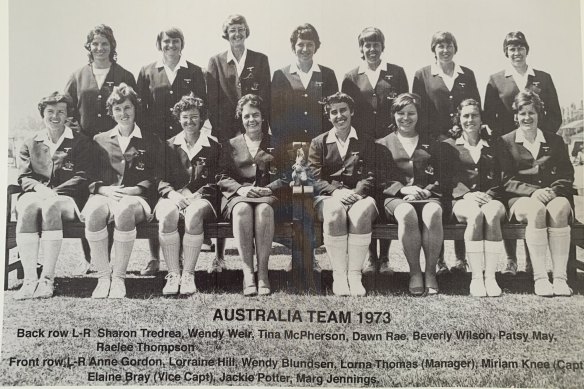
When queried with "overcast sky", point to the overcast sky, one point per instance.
{"points": [[46, 38]]}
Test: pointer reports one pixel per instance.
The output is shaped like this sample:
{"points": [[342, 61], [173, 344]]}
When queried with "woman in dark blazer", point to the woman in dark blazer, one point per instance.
{"points": [[539, 177], [408, 180], [342, 163], [159, 93], [442, 86], [233, 74], [160, 85], [246, 180], [506, 84], [374, 85], [501, 91], [298, 91], [188, 191], [53, 176], [91, 85], [471, 176], [123, 190]]}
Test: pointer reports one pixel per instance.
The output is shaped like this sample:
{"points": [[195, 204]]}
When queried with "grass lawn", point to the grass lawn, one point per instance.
{"points": [[518, 310]]}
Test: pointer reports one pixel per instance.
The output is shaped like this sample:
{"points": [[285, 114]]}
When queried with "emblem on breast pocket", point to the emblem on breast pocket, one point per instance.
{"points": [[554, 170], [140, 163], [462, 84], [545, 150], [187, 81], [429, 170], [319, 84]]}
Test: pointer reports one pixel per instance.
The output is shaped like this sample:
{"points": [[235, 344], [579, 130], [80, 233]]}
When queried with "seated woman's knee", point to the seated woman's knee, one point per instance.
{"points": [[264, 211], [334, 212], [242, 211], [559, 210], [494, 212], [167, 218], [406, 214]]}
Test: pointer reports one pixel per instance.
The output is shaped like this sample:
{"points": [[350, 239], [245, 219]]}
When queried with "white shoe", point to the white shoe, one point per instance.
{"points": [[151, 268], [117, 288], [26, 291], [81, 268], [492, 288], [561, 287], [477, 287], [45, 289], [102, 289], [216, 266], [356, 286], [172, 284], [543, 287], [187, 284], [368, 266], [341, 285]]}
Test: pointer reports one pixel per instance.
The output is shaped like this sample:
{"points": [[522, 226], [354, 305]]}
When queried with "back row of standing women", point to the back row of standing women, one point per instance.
{"points": [[296, 95]]}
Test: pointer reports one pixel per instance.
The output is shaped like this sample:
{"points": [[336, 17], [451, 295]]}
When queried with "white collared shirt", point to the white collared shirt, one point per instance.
{"points": [[100, 75], [342, 146], [409, 144], [252, 145], [534, 147], [448, 80], [124, 141], [67, 133], [304, 77], [520, 80], [171, 74], [475, 151], [238, 65], [372, 75], [191, 152]]}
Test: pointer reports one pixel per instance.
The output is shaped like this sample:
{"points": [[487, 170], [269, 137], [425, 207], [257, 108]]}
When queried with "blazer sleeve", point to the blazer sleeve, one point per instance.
{"points": [[315, 157], [390, 179], [278, 116], [27, 179], [226, 183], [403, 86], [493, 106], [564, 184], [553, 113], [172, 178], [213, 93], [143, 90], [266, 79], [71, 90]]}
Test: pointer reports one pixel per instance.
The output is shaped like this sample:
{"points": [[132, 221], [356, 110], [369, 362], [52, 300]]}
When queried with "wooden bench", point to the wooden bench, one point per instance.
{"points": [[293, 235]]}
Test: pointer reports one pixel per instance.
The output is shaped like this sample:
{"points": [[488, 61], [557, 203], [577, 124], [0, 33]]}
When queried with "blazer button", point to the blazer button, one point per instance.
{"points": [[374, 112], [306, 131], [253, 164], [476, 169], [374, 95], [305, 113], [450, 97], [305, 95], [474, 186], [171, 92], [170, 127], [170, 109], [98, 115], [99, 96]]}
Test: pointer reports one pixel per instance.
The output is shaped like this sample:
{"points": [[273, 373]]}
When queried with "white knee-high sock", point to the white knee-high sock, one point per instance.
{"points": [[537, 243], [358, 247], [170, 245], [123, 245], [191, 250], [336, 249], [99, 245], [28, 248], [493, 251], [51, 242], [474, 253], [559, 241]]}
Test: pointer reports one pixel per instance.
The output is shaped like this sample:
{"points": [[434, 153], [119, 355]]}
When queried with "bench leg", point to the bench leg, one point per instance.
{"points": [[6, 267], [572, 267]]}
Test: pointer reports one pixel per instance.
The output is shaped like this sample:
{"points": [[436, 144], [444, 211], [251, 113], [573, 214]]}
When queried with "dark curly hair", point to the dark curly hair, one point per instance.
{"points": [[189, 102], [54, 98], [108, 34], [120, 94], [527, 97], [456, 131], [336, 98]]}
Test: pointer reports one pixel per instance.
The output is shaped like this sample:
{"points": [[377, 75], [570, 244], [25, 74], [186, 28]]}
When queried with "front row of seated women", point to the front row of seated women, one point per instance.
{"points": [[525, 176]]}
